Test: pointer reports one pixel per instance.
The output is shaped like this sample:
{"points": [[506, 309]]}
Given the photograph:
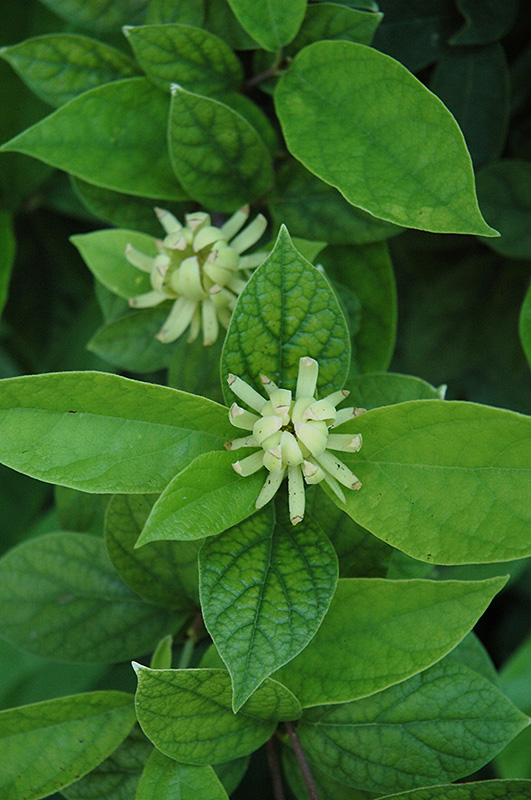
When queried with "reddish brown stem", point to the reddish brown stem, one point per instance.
{"points": [[301, 760]]}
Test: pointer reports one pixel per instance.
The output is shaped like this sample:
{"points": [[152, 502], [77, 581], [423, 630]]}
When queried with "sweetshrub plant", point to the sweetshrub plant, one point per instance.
{"points": [[290, 543]]}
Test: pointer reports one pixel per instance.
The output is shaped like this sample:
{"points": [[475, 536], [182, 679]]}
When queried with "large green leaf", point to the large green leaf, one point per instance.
{"points": [[104, 433], [187, 12], [315, 210], [446, 482], [7, 255], [515, 760], [525, 325], [388, 388], [48, 745], [504, 189], [117, 777], [206, 498], [60, 598], [327, 788], [335, 21], [113, 136], [260, 624], [381, 141], [437, 726], [482, 111], [164, 573], [103, 15], [188, 714], [165, 779], [60, 66], [365, 281], [192, 57], [79, 511], [216, 154], [272, 23], [287, 310], [484, 790], [379, 632], [220, 19]]}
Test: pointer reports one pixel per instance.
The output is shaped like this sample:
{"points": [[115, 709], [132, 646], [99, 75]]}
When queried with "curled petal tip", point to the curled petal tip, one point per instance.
{"points": [[231, 378], [356, 485], [237, 467], [296, 520], [228, 445], [359, 411]]}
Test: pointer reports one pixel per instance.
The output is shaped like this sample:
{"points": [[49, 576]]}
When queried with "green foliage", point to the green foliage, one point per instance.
{"points": [[279, 271], [48, 745]]}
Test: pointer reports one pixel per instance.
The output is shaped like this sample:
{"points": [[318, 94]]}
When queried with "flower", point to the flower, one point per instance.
{"points": [[200, 268], [294, 437]]}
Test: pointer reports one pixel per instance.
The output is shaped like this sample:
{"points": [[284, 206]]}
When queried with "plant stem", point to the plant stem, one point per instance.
{"points": [[193, 634], [301, 760], [274, 768]]}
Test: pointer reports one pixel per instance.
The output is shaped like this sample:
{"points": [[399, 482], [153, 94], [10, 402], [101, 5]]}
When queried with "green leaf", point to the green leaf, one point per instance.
{"points": [[287, 310], [482, 111], [360, 554], [366, 274], [484, 790], [188, 715], [378, 632], [133, 159], [7, 255], [372, 145], [472, 653], [515, 760], [504, 189], [216, 154], [220, 20], [445, 723], [117, 777], [388, 388], [59, 67], [186, 12], [104, 254], [48, 745], [78, 511], [272, 23], [192, 57], [333, 21], [206, 498], [432, 471], [231, 773], [195, 368], [165, 573], [125, 210], [260, 625], [60, 598], [129, 342], [165, 779], [104, 15], [315, 210], [486, 21], [104, 433], [525, 325]]}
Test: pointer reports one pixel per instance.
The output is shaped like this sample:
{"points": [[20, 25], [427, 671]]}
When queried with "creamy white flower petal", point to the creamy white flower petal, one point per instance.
{"points": [[237, 444], [249, 235], [312, 472], [335, 486], [190, 279], [195, 326], [347, 442], [139, 260], [245, 392], [266, 427], [250, 464], [241, 418], [209, 319], [253, 260], [313, 437], [269, 385], [270, 488], [338, 470], [273, 460], [290, 448], [170, 223], [206, 237], [296, 495], [280, 401], [147, 300], [307, 377], [178, 320], [321, 409], [235, 223], [343, 415]]}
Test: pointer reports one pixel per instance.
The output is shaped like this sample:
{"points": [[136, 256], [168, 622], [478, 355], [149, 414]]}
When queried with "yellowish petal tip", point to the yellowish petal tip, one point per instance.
{"points": [[296, 520], [231, 378], [359, 411], [356, 485], [237, 467]]}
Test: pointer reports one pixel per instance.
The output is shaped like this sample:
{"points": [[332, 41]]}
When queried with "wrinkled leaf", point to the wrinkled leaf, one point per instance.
{"points": [[99, 14], [188, 714], [165, 779], [484, 790], [259, 623], [272, 23], [292, 312], [373, 390], [335, 21]]}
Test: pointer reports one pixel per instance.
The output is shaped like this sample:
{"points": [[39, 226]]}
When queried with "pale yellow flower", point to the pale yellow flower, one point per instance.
{"points": [[200, 268], [294, 436]]}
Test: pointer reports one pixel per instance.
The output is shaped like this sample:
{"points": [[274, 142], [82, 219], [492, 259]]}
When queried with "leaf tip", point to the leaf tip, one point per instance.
{"points": [[174, 88], [126, 30], [137, 667]]}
